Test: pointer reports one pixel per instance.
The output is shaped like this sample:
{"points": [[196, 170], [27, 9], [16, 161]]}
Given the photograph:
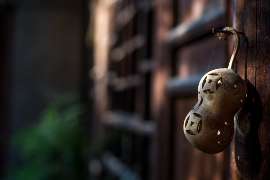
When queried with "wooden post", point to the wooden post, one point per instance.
{"points": [[252, 18], [160, 102], [103, 13]]}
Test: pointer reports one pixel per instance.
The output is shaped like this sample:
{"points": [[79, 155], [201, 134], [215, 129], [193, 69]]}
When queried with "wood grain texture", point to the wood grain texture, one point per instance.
{"points": [[200, 28], [176, 158], [252, 18], [103, 13], [160, 103]]}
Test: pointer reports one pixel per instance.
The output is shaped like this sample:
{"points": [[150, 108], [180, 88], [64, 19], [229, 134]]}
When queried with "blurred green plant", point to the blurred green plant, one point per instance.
{"points": [[55, 148]]}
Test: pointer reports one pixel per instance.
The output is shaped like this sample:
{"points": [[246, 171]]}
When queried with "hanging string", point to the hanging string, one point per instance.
{"points": [[221, 33]]}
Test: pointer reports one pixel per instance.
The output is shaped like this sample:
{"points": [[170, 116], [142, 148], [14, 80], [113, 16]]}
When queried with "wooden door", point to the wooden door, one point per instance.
{"points": [[251, 155], [123, 59], [185, 50], [150, 56]]}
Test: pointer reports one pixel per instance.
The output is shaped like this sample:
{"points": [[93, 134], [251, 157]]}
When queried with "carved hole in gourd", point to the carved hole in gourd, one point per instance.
{"points": [[200, 103], [199, 126], [198, 115], [213, 74], [186, 122], [208, 91], [204, 81], [219, 83]]}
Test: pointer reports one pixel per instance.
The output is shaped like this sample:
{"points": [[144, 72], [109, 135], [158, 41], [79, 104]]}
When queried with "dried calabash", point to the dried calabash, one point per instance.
{"points": [[209, 126]]}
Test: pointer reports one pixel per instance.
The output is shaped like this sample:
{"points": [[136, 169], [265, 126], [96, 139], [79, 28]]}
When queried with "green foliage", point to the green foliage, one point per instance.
{"points": [[56, 148]]}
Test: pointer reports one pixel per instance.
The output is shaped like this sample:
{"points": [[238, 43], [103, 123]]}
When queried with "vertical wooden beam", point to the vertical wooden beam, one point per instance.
{"points": [[252, 18], [160, 102], [103, 14]]}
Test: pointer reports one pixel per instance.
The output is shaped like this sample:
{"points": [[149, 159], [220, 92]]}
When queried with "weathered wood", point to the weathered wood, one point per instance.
{"points": [[125, 16], [103, 13], [194, 58], [127, 48], [117, 168], [120, 84], [190, 31], [129, 122], [252, 18], [146, 66], [183, 87], [160, 102]]}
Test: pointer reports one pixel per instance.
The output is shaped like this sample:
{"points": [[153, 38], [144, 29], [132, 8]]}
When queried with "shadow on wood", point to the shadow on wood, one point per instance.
{"points": [[247, 145]]}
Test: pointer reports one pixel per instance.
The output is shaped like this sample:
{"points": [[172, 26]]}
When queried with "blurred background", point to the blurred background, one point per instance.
{"points": [[98, 89]]}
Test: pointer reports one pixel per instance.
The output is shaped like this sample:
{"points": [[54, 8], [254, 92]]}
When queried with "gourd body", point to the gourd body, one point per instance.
{"points": [[209, 126]]}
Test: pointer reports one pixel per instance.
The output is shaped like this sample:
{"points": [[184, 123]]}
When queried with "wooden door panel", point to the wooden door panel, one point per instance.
{"points": [[126, 85], [183, 48], [200, 57], [193, 59], [191, 10], [252, 18], [194, 52]]}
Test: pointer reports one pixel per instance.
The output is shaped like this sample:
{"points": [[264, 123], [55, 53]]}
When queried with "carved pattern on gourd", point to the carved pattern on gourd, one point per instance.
{"points": [[193, 124], [211, 83]]}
